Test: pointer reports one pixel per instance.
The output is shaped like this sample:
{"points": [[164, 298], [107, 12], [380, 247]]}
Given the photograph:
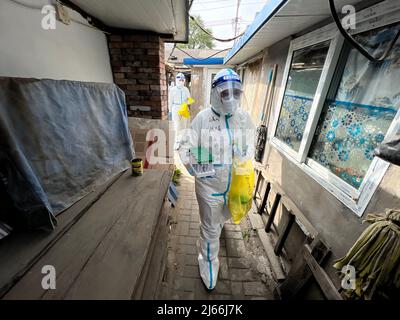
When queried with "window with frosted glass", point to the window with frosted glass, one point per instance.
{"points": [[305, 72], [356, 117]]}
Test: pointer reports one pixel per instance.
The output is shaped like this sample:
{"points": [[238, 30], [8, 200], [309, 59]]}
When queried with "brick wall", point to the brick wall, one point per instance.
{"points": [[138, 67]]}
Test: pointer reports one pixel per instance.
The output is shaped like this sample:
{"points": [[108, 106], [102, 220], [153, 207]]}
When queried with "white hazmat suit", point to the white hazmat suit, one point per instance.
{"points": [[177, 95], [228, 132]]}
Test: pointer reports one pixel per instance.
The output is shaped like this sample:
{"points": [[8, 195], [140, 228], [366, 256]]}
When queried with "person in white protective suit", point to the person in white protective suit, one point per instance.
{"points": [[177, 95], [226, 130]]}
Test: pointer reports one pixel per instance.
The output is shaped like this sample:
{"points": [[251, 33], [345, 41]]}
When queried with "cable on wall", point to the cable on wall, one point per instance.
{"points": [[354, 43]]}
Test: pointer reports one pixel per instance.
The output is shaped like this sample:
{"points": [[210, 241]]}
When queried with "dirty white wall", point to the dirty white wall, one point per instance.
{"points": [[252, 88], [72, 52]]}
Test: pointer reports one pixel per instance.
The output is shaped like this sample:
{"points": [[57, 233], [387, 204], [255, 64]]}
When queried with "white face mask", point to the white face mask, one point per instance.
{"points": [[179, 83], [230, 105], [225, 106]]}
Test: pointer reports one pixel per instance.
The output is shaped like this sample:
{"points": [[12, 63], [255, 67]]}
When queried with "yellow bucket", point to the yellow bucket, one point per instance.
{"points": [[137, 167]]}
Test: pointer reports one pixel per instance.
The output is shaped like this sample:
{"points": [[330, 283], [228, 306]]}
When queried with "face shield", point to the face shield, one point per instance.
{"points": [[229, 91], [180, 80], [226, 96]]}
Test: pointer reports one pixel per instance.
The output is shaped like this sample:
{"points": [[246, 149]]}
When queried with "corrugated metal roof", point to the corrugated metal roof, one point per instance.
{"points": [[277, 20]]}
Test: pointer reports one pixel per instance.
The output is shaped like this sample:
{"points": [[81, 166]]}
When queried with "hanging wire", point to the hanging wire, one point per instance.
{"points": [[354, 43], [201, 59], [172, 51], [225, 7], [210, 34]]}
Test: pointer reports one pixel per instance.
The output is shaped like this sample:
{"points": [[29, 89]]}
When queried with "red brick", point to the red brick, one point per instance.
{"points": [[121, 81], [133, 86], [156, 59], [119, 75], [135, 75], [116, 44], [155, 76], [148, 45], [147, 70], [126, 45], [138, 67], [115, 51], [123, 86], [115, 38], [128, 57], [116, 63], [147, 81], [142, 87], [155, 98], [123, 69], [137, 63], [131, 81], [153, 52], [136, 38], [134, 51], [116, 57], [154, 38], [155, 87], [131, 92]]}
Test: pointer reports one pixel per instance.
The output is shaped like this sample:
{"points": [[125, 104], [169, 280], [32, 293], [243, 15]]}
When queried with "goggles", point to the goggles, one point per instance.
{"points": [[227, 90]]}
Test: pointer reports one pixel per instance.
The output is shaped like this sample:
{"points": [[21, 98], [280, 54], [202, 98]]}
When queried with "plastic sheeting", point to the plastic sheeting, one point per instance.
{"points": [[390, 150], [58, 141]]}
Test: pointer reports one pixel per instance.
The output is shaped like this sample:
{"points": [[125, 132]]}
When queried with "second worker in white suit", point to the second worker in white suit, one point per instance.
{"points": [[227, 131], [177, 95]]}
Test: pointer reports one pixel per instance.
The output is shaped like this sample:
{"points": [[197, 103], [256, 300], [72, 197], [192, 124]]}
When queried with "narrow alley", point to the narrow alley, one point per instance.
{"points": [[244, 269], [284, 115]]}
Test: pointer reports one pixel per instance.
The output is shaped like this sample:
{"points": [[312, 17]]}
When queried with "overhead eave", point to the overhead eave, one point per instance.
{"points": [[267, 12], [169, 19], [280, 19]]}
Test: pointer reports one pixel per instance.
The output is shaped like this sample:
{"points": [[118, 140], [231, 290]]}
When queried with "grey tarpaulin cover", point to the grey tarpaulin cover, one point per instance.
{"points": [[58, 140]]}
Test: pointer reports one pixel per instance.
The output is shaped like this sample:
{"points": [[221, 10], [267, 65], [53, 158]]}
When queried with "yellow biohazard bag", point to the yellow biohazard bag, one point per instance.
{"points": [[241, 191], [183, 111]]}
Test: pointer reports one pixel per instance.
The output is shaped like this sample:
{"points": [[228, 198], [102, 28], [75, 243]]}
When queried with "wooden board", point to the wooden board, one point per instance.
{"points": [[276, 265], [288, 203], [307, 265], [102, 256], [154, 265], [325, 283], [21, 250]]}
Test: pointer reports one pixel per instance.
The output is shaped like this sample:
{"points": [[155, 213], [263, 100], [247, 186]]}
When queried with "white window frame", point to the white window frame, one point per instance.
{"points": [[357, 200], [328, 33]]}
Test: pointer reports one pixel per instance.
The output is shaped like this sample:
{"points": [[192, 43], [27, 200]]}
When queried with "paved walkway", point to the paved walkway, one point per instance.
{"points": [[244, 270]]}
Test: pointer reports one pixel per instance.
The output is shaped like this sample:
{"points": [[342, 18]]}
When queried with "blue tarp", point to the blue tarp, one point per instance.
{"points": [[208, 61], [59, 140]]}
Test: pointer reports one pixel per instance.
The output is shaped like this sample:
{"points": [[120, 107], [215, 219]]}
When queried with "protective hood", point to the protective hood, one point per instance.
{"points": [[226, 91], [180, 80]]}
